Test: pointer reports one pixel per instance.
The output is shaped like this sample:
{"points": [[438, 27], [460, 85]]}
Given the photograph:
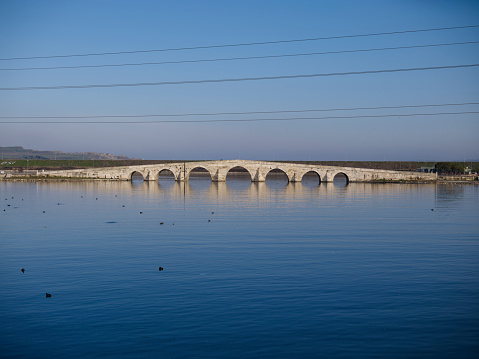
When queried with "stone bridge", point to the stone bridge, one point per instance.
{"points": [[258, 170]]}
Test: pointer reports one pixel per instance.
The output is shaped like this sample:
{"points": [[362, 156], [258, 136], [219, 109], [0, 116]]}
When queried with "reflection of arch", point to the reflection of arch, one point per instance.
{"points": [[240, 172], [199, 172], [276, 174], [136, 176], [166, 174], [341, 177], [311, 176]]}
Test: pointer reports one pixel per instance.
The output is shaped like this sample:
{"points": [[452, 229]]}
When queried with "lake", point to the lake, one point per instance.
{"points": [[250, 270]]}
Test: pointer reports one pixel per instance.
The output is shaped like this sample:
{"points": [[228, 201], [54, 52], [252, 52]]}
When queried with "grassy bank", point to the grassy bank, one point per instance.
{"points": [[39, 164]]}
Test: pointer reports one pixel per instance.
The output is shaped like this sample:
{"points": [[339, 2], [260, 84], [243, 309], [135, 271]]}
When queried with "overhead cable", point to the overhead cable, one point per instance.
{"points": [[244, 113], [62, 87], [239, 58], [243, 120], [241, 44]]}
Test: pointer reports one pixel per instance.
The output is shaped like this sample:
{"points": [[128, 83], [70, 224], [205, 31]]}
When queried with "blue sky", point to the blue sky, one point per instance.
{"points": [[33, 28]]}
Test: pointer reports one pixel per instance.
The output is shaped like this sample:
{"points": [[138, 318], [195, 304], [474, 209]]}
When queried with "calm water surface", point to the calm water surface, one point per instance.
{"points": [[277, 271]]}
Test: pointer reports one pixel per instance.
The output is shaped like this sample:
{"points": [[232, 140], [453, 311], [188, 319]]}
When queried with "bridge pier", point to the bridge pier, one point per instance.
{"points": [[220, 175]]}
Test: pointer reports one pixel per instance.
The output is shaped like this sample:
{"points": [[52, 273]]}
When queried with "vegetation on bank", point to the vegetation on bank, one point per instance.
{"points": [[39, 164], [398, 165], [19, 153]]}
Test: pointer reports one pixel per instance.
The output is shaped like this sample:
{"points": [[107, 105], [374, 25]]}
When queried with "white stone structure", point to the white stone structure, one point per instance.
{"points": [[258, 171]]}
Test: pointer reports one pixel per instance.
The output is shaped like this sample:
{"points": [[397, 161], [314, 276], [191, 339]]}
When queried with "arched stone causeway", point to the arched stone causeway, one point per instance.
{"points": [[258, 171]]}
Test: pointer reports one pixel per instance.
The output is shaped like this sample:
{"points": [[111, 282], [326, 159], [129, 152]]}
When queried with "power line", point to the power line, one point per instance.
{"points": [[244, 120], [240, 58], [243, 113], [241, 44], [234, 79]]}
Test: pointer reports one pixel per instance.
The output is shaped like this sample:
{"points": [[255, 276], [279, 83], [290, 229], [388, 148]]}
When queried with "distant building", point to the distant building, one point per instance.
{"points": [[427, 169], [468, 171]]}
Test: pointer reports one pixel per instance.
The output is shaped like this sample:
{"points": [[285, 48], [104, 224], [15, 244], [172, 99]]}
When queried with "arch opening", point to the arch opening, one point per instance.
{"points": [[166, 175], [341, 179], [166, 179], [277, 178], [136, 177], [311, 179], [238, 177], [199, 178], [199, 174]]}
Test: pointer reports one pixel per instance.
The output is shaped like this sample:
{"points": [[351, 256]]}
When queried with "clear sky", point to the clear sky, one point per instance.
{"points": [[48, 28]]}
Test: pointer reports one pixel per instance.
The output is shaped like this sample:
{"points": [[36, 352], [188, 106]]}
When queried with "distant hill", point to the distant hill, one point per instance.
{"points": [[18, 152]]}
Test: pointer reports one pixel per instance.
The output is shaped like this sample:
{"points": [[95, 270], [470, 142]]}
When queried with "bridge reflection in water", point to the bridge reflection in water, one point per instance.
{"points": [[239, 190]]}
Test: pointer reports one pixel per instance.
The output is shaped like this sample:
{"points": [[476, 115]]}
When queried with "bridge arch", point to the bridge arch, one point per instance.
{"points": [[341, 178], [199, 172], [137, 176], [166, 174], [241, 172], [311, 178], [277, 174]]}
